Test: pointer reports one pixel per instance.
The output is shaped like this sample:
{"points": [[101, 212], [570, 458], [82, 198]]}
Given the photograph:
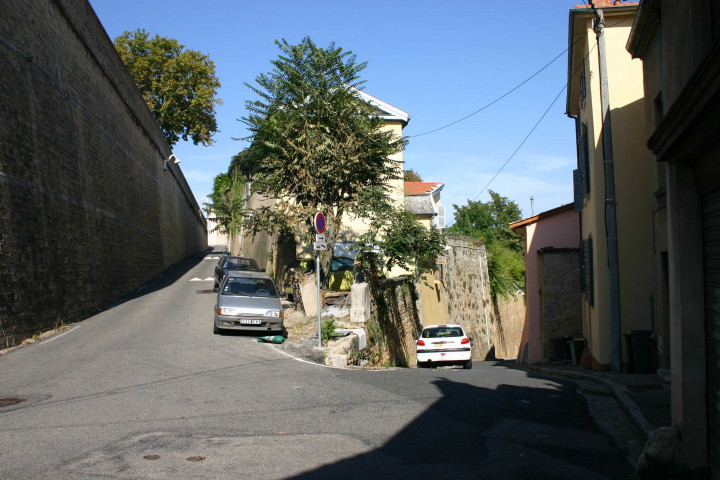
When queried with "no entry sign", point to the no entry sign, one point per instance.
{"points": [[319, 222]]}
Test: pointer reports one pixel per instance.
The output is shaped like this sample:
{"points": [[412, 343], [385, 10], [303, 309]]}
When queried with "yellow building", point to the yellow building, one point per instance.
{"points": [[394, 120], [622, 254]]}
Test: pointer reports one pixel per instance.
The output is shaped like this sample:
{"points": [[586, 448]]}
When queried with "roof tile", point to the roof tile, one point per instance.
{"points": [[419, 188]]}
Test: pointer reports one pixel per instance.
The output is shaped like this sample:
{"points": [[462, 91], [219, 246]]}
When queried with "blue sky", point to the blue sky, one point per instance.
{"points": [[438, 61]]}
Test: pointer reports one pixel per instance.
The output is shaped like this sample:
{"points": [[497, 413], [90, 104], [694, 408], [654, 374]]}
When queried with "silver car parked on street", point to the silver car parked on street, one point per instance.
{"points": [[248, 301]]}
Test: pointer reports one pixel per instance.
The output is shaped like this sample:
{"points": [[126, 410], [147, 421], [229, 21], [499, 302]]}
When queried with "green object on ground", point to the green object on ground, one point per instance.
{"points": [[272, 339]]}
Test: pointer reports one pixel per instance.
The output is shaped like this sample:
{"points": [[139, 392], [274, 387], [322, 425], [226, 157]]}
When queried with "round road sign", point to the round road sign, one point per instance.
{"points": [[319, 222]]}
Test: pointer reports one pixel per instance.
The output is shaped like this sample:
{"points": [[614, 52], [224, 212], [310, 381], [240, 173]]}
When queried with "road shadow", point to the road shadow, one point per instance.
{"points": [[167, 278], [512, 432]]}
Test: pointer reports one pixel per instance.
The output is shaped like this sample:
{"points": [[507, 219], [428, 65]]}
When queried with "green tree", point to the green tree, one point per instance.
{"points": [[316, 145], [490, 222], [412, 176], [227, 202], [402, 241], [179, 85]]}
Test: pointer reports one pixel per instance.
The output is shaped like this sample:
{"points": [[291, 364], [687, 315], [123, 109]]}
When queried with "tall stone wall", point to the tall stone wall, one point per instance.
{"points": [[469, 302], [394, 323], [467, 293], [510, 311], [87, 210]]}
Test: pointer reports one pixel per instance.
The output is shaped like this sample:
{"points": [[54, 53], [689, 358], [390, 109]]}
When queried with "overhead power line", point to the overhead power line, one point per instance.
{"points": [[494, 101], [534, 126], [523, 142]]}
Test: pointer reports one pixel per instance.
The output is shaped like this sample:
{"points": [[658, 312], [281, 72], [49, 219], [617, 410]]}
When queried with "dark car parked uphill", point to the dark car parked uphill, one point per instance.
{"points": [[233, 264]]}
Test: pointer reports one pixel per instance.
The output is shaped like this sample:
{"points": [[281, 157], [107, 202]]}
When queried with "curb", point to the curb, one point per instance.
{"points": [[620, 392]]}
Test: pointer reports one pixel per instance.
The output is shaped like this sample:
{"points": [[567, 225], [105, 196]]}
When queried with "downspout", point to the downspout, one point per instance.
{"points": [[610, 202]]}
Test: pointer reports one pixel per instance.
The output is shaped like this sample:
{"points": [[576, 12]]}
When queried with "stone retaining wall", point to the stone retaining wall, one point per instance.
{"points": [[87, 210]]}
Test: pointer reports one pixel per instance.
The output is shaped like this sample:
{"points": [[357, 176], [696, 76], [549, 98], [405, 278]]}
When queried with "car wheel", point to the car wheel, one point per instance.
{"points": [[421, 365], [468, 365], [216, 330]]}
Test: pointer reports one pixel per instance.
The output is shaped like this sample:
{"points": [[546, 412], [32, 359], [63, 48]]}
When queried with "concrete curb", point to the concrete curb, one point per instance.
{"points": [[620, 392]]}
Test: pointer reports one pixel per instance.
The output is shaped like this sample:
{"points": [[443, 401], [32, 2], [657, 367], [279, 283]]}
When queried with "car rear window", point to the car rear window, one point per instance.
{"points": [[256, 287], [438, 332], [241, 264]]}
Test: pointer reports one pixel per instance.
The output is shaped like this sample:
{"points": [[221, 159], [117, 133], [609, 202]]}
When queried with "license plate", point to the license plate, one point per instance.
{"points": [[251, 322]]}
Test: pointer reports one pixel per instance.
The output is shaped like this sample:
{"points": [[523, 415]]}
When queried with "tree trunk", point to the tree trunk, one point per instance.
{"points": [[331, 232]]}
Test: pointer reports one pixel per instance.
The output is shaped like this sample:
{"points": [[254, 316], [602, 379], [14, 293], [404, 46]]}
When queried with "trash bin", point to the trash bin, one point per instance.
{"points": [[639, 352], [577, 345], [558, 349], [566, 342]]}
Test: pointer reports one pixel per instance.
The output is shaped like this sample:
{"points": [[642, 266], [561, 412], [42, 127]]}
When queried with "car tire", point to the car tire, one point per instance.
{"points": [[216, 330], [421, 365], [467, 365]]}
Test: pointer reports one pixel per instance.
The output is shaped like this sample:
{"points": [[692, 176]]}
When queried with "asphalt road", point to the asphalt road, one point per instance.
{"points": [[145, 390]]}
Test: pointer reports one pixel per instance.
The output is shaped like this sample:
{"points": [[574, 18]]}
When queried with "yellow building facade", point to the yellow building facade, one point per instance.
{"points": [[632, 301]]}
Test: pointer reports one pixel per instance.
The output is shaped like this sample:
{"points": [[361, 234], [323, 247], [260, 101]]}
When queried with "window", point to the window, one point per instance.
{"points": [[585, 157], [577, 191], [583, 154]]}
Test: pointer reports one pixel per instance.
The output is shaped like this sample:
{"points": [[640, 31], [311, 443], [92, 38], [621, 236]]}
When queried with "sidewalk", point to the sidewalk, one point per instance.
{"points": [[646, 398]]}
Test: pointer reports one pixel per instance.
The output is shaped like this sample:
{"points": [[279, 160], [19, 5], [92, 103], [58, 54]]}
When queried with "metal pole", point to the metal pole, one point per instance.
{"points": [[610, 203], [319, 305]]}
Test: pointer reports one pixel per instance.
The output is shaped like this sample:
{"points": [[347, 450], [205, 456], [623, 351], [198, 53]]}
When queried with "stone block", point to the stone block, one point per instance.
{"points": [[336, 360], [360, 303], [344, 345], [359, 332], [308, 294]]}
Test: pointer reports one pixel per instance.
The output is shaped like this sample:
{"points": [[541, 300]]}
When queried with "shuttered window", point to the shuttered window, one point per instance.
{"points": [[586, 265]]}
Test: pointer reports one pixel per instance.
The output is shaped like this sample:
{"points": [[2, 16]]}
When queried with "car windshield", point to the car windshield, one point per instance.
{"points": [[439, 332], [342, 263], [240, 264], [252, 287]]}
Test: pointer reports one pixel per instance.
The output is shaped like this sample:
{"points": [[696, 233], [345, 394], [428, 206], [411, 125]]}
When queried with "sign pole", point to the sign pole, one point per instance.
{"points": [[319, 303], [319, 224]]}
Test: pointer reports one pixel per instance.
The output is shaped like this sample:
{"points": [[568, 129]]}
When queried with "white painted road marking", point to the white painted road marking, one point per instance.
{"points": [[60, 335]]}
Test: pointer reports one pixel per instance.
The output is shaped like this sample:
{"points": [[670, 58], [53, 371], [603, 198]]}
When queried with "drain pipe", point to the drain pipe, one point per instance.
{"points": [[610, 201]]}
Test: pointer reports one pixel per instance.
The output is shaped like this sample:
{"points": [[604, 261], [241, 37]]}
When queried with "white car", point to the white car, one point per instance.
{"points": [[444, 344]]}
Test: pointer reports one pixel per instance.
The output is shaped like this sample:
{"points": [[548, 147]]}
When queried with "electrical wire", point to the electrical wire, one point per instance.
{"points": [[534, 126], [512, 89], [494, 101], [523, 142]]}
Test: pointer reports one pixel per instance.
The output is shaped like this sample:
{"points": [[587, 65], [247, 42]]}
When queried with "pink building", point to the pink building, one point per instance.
{"points": [[552, 282]]}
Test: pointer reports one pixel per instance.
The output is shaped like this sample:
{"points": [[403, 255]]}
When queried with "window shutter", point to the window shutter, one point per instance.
{"points": [[576, 191], [585, 168], [441, 216]]}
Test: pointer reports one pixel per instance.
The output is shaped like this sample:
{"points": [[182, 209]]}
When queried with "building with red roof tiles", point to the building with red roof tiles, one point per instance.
{"points": [[423, 199]]}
